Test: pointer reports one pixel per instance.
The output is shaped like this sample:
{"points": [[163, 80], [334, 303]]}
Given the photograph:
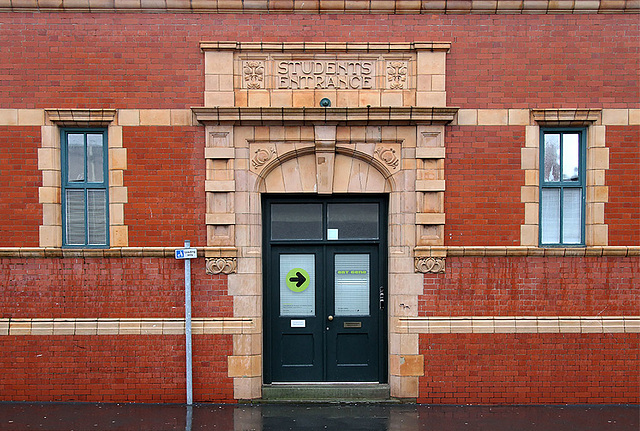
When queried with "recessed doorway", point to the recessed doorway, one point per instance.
{"points": [[325, 289]]}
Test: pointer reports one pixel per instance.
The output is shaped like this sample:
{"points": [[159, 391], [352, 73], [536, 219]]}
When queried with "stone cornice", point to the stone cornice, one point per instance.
{"points": [[40, 252], [80, 117], [328, 6], [325, 47], [231, 252], [566, 117], [325, 116], [498, 251]]}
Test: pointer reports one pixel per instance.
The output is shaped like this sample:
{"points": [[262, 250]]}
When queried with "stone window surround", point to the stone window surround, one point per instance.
{"points": [[49, 162], [597, 163]]}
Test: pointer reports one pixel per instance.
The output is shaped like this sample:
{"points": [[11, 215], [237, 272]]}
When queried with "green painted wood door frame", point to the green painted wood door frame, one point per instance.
{"points": [[322, 345]]}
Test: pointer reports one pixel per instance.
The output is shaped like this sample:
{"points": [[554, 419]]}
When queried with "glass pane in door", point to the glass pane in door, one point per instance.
{"points": [[353, 221], [296, 221], [352, 280], [297, 285]]}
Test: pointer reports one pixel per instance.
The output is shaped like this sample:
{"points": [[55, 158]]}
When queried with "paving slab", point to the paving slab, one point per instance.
{"points": [[312, 417]]}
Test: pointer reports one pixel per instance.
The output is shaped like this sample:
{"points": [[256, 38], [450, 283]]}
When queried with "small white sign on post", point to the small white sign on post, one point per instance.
{"points": [[187, 253]]}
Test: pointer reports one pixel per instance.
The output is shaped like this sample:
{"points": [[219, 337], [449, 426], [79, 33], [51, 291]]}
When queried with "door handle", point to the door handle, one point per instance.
{"points": [[381, 297], [330, 318]]}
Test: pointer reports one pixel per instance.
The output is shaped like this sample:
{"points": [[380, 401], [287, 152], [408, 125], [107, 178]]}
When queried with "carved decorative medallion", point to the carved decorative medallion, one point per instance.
{"points": [[429, 265], [396, 74], [388, 156], [221, 265], [262, 156], [253, 74]]}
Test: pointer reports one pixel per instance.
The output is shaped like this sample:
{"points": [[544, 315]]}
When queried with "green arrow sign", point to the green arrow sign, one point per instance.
{"points": [[298, 280]]}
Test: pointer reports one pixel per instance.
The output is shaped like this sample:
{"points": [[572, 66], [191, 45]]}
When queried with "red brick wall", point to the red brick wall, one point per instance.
{"points": [[92, 288], [105, 368], [530, 369], [20, 212], [153, 60], [623, 178], [533, 286], [165, 181], [483, 179]]}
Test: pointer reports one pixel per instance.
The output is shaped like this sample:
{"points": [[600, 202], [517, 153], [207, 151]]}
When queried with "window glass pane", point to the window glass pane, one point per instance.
{"points": [[572, 216], [75, 217], [297, 285], [95, 159], [296, 221], [352, 284], [75, 157], [552, 157], [97, 216], [550, 223], [570, 156], [352, 221]]}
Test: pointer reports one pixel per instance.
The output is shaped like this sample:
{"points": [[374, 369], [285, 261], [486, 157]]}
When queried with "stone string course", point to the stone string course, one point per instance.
{"points": [[230, 252], [409, 325], [329, 6]]}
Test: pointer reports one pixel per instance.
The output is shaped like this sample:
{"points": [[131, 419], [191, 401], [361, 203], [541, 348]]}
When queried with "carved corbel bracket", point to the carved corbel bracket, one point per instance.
{"points": [[430, 265], [221, 265]]}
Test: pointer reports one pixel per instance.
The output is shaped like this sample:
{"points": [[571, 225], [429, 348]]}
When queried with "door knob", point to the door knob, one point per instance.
{"points": [[330, 318]]}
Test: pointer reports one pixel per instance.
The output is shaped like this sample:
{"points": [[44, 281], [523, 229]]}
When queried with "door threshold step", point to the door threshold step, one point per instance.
{"points": [[327, 393]]}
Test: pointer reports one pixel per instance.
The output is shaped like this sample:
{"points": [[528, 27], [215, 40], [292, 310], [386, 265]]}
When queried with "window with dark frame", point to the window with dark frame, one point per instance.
{"points": [[85, 204], [562, 187]]}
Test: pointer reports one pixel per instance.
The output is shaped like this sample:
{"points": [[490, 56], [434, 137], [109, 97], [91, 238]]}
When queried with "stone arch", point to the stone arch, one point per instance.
{"points": [[347, 169]]}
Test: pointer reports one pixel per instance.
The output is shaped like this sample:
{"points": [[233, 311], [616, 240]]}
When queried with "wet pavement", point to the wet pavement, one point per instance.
{"points": [[340, 417]]}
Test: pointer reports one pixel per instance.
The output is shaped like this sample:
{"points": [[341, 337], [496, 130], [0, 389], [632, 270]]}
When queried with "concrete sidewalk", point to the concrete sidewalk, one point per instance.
{"points": [[339, 417]]}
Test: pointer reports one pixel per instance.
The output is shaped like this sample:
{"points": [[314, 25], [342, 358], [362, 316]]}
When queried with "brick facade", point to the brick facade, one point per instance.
{"points": [[492, 65], [625, 195], [483, 172], [166, 185], [123, 368], [19, 183], [560, 368], [478, 312]]}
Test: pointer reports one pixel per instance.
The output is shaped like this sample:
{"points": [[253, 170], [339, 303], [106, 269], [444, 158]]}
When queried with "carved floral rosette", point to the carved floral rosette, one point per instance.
{"points": [[221, 265], [262, 156], [430, 265], [388, 156]]}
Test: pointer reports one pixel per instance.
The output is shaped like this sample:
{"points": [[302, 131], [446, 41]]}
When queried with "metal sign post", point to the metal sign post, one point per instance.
{"points": [[187, 254]]}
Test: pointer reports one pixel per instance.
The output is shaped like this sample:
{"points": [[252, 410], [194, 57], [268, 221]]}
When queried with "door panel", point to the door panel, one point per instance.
{"points": [[296, 327], [353, 333]]}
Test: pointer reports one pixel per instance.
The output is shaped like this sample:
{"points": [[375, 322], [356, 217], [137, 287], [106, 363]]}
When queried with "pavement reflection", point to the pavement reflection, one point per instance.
{"points": [[339, 417]]}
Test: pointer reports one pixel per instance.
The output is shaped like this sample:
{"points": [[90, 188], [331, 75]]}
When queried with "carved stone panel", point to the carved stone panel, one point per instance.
{"points": [[397, 74], [389, 155], [260, 156], [253, 74], [430, 265], [221, 265]]}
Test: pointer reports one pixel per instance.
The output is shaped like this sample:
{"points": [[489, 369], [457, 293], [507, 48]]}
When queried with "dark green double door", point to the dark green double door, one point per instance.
{"points": [[324, 302]]}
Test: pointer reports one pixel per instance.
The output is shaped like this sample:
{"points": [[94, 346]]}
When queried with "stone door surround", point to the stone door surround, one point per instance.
{"points": [[379, 129]]}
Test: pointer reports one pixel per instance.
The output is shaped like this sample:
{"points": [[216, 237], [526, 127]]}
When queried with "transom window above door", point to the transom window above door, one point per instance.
{"points": [[324, 221]]}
